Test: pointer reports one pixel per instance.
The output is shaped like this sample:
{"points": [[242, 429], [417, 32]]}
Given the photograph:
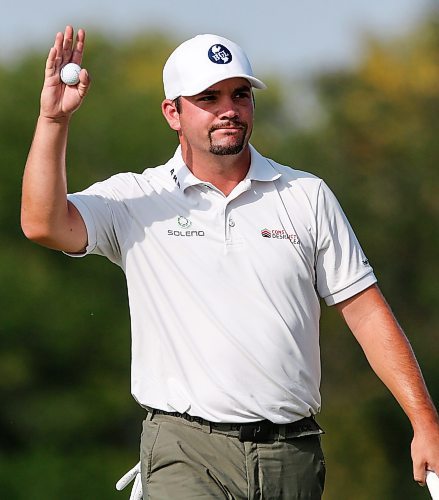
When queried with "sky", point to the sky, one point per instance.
{"points": [[292, 37]]}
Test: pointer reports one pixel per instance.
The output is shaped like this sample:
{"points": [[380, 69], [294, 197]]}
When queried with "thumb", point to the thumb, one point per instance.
{"points": [[84, 82], [419, 472]]}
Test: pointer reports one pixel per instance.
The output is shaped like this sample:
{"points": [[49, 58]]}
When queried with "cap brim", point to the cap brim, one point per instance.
{"points": [[255, 82]]}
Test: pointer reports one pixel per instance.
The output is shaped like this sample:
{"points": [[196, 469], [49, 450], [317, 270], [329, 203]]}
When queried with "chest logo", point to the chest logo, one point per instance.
{"points": [[183, 222], [280, 234]]}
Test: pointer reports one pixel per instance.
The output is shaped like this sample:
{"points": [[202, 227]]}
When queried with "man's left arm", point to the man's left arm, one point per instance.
{"points": [[391, 357]]}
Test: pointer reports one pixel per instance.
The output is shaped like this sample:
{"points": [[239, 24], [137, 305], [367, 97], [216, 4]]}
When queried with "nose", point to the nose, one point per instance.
{"points": [[227, 109]]}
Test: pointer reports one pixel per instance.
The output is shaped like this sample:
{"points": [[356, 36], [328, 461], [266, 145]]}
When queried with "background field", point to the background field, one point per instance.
{"points": [[68, 426]]}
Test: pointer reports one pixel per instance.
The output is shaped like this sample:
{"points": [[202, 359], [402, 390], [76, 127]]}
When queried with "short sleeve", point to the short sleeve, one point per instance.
{"points": [[342, 269], [103, 208]]}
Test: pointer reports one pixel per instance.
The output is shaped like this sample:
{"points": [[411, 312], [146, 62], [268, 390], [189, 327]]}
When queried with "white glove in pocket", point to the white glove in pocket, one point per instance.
{"points": [[134, 473]]}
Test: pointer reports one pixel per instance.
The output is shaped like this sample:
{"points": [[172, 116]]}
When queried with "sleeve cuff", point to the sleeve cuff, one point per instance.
{"points": [[89, 224], [351, 290]]}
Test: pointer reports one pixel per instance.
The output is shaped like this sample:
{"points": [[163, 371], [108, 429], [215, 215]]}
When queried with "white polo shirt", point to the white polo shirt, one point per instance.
{"points": [[224, 290]]}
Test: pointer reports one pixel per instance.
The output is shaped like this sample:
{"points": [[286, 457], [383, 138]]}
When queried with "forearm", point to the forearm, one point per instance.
{"points": [[44, 197], [390, 355]]}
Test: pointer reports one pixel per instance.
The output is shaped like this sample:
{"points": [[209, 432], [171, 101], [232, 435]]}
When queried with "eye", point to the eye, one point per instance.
{"points": [[207, 98], [242, 94]]}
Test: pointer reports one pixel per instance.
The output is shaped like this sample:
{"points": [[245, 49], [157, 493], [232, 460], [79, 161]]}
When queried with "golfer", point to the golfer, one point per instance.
{"points": [[227, 254]]}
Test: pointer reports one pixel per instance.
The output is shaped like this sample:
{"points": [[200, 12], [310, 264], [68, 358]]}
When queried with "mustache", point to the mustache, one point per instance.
{"points": [[228, 124]]}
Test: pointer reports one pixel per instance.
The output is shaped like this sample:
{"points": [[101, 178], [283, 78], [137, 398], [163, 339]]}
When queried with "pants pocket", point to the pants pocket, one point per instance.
{"points": [[150, 432]]}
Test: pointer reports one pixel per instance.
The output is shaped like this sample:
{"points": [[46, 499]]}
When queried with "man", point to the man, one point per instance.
{"points": [[226, 254]]}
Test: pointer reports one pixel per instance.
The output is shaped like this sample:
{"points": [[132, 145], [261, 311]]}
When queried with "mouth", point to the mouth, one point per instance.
{"points": [[223, 132], [230, 127]]}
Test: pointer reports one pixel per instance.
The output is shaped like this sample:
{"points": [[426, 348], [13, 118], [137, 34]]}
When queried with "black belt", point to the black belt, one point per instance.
{"points": [[257, 432]]}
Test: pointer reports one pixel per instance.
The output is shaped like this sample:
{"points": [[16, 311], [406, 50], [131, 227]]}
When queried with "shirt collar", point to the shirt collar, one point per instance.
{"points": [[180, 173], [261, 169]]}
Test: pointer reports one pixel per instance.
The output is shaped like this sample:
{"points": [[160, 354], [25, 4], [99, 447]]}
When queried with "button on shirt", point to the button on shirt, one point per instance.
{"points": [[224, 290]]}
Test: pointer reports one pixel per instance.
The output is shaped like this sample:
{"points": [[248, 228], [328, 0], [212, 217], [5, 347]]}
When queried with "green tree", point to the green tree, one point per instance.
{"points": [[376, 147], [69, 427], [68, 424]]}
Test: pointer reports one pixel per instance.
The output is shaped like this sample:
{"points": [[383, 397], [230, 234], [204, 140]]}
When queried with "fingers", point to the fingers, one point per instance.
{"points": [[50, 63], [420, 469], [65, 50], [67, 45], [53, 59], [79, 47], [419, 473], [59, 40]]}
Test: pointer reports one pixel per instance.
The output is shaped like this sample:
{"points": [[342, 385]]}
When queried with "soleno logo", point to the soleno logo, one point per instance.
{"points": [[185, 223]]}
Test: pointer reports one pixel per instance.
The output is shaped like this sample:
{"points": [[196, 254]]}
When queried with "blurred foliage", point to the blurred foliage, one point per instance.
{"points": [[68, 426]]}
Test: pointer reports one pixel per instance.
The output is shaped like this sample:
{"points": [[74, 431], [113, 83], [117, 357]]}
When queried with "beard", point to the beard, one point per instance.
{"points": [[233, 147]]}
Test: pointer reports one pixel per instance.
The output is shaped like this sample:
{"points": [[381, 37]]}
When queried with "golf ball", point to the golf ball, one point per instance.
{"points": [[70, 73]]}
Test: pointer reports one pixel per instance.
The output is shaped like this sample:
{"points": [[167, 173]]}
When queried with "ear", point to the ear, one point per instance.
{"points": [[171, 114]]}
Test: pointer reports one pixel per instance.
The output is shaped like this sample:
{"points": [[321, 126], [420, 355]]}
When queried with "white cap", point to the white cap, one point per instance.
{"points": [[202, 61]]}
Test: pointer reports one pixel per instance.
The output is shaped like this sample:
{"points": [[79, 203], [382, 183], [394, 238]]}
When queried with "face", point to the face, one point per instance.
{"points": [[219, 120]]}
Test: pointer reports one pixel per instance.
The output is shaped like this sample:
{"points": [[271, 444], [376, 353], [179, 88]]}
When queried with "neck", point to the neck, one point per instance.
{"points": [[224, 172]]}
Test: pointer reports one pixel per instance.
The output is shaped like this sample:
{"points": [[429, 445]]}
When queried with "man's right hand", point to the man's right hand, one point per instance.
{"points": [[59, 100], [47, 217]]}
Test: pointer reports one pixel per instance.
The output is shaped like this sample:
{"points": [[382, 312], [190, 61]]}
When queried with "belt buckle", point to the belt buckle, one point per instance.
{"points": [[257, 432]]}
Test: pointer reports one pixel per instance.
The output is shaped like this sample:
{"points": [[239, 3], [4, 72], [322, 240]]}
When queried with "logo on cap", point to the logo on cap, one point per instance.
{"points": [[220, 54]]}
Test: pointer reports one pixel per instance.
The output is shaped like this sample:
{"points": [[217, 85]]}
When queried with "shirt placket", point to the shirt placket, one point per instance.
{"points": [[229, 224]]}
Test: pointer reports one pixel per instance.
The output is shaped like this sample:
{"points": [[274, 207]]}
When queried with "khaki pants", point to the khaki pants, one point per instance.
{"points": [[183, 460]]}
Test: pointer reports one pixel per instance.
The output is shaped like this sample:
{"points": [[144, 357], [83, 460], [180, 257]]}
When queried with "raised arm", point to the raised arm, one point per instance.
{"points": [[391, 357], [46, 216]]}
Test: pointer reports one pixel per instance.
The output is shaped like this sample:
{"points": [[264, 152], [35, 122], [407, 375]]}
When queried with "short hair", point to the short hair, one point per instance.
{"points": [[177, 104]]}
